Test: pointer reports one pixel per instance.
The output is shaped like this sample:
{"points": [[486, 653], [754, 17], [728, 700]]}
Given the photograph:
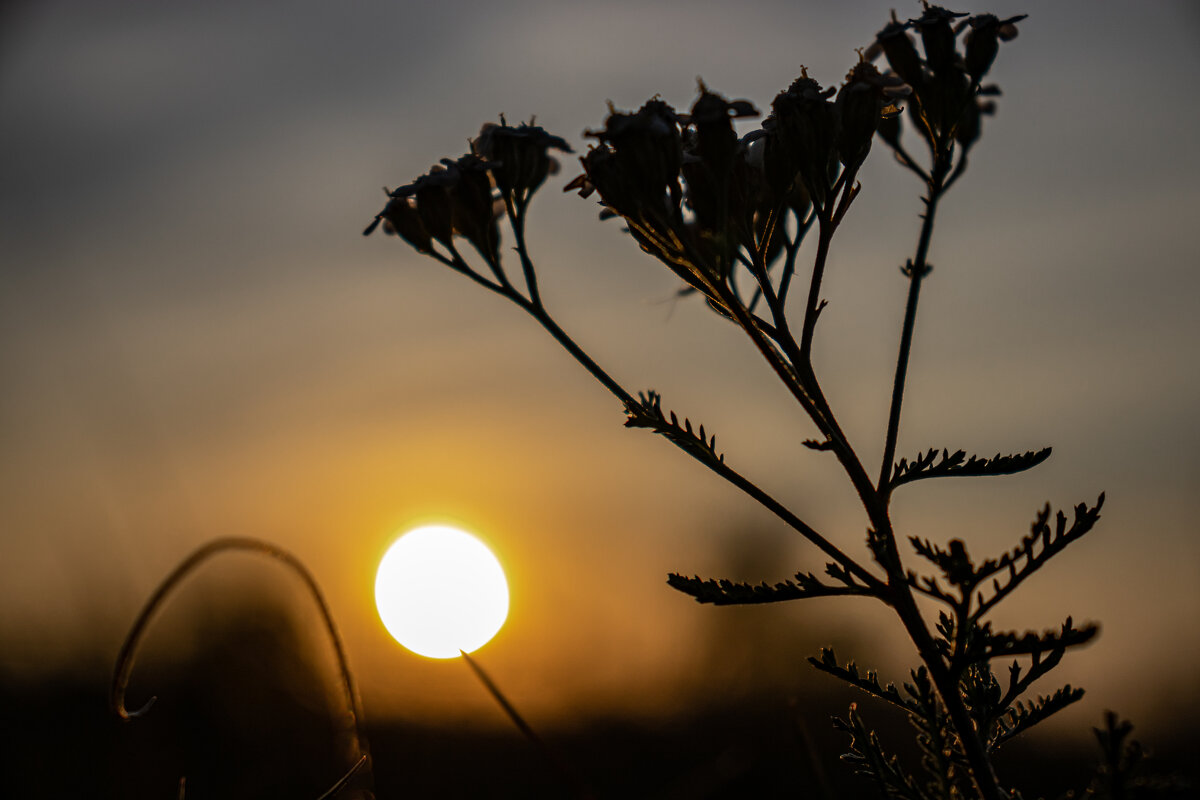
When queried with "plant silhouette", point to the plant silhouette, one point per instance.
{"points": [[729, 215]]}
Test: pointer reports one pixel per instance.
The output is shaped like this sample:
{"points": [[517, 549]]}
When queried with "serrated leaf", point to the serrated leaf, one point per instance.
{"points": [[827, 662], [956, 464], [1042, 544], [1022, 717], [722, 592], [647, 412]]}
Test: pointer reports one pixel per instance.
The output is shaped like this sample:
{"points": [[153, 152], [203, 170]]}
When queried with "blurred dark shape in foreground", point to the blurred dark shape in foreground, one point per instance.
{"points": [[249, 713]]}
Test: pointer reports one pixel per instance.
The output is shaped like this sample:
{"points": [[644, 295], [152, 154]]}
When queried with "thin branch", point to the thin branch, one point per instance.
{"points": [[345, 779], [916, 271], [908, 161], [825, 229], [516, 219], [463, 268], [460, 264], [556, 763], [716, 465], [792, 250], [540, 314], [352, 724]]}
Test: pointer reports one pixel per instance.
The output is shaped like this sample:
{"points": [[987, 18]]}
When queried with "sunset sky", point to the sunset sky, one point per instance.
{"points": [[197, 342]]}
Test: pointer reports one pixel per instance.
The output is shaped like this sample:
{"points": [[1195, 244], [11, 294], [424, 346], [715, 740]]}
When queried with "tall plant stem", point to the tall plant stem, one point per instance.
{"points": [[901, 597], [719, 467], [916, 270], [350, 721], [947, 685], [560, 767]]}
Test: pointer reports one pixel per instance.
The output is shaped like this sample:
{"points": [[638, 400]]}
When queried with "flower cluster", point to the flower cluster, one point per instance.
{"points": [[682, 182], [699, 198], [465, 197], [947, 96], [452, 199]]}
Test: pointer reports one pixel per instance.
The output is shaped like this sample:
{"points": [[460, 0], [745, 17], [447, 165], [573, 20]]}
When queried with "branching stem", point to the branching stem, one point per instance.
{"points": [[902, 599], [538, 312]]}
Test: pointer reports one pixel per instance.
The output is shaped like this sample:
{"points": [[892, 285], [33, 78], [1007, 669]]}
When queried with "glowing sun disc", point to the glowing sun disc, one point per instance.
{"points": [[440, 590]]}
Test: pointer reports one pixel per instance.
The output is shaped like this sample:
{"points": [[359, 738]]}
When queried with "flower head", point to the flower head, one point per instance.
{"points": [[983, 41], [519, 157], [636, 165], [712, 119], [453, 199], [863, 101], [901, 53], [945, 105], [937, 35], [801, 135]]}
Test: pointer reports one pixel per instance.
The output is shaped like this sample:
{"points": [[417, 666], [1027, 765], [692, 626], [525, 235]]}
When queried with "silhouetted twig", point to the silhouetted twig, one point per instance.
{"points": [[350, 724]]}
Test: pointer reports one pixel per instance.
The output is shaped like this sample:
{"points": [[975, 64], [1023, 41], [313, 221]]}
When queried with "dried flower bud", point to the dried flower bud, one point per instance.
{"points": [[862, 103], [455, 197], [970, 126], [889, 129], [638, 160], [400, 216], [983, 41], [703, 187], [801, 138], [711, 160], [956, 564], [712, 117], [432, 193], [603, 172], [900, 51], [937, 36], [519, 156], [473, 210]]}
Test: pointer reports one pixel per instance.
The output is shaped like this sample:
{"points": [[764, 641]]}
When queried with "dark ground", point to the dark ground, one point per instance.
{"points": [[58, 740], [243, 718]]}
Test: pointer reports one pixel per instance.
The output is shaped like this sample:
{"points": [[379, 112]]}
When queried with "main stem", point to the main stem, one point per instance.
{"points": [[902, 599], [947, 685]]}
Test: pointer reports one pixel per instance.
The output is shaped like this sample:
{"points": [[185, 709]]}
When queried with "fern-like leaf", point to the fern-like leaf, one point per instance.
{"points": [[647, 412], [1126, 770], [827, 662], [867, 758], [722, 592], [1022, 717], [986, 645], [1034, 551], [944, 464]]}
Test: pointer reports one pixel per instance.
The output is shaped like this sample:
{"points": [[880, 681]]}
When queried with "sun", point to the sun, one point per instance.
{"points": [[440, 590]]}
